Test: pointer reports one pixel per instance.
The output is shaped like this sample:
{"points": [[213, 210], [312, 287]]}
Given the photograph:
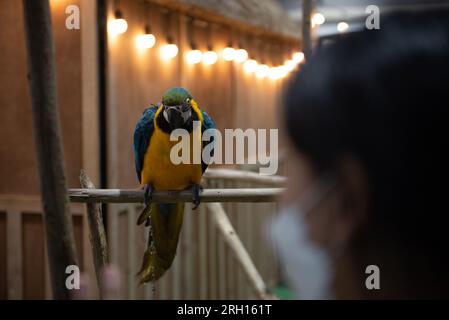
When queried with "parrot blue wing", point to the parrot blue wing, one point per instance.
{"points": [[208, 123], [142, 135]]}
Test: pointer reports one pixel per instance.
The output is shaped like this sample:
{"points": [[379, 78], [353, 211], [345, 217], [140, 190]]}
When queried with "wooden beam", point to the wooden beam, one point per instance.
{"points": [[47, 134], [208, 195]]}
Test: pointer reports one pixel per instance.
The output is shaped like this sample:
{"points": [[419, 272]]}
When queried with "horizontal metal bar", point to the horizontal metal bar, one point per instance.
{"points": [[207, 195]]}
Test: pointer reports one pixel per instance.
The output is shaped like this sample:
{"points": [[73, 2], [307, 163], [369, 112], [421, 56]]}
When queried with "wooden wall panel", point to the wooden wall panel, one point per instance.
{"points": [[78, 231], [3, 257], [17, 151], [33, 256]]}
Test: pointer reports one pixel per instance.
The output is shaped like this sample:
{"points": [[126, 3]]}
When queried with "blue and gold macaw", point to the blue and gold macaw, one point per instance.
{"points": [[156, 171]]}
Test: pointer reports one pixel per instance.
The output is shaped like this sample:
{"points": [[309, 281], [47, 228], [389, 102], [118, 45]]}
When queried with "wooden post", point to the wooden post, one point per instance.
{"points": [[307, 27], [42, 82], [97, 234]]}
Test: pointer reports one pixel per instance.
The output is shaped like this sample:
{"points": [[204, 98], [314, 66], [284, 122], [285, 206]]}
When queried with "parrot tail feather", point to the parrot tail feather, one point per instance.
{"points": [[165, 227]]}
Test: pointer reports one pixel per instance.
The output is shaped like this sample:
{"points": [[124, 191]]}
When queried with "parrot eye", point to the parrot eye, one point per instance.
{"points": [[188, 100]]}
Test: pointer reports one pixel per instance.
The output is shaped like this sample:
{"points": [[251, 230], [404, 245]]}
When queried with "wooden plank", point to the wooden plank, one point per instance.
{"points": [[190, 252], [14, 255], [202, 274], [3, 255], [33, 268], [132, 264], [221, 258]]}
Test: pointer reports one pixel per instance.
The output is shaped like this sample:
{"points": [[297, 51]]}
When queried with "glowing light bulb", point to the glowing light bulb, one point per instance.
{"points": [[250, 66], [282, 71], [117, 26], [228, 54], [262, 71], [273, 73], [145, 41], [342, 27], [318, 19], [298, 57], [169, 51], [241, 55], [278, 72], [290, 65], [194, 56], [210, 57]]}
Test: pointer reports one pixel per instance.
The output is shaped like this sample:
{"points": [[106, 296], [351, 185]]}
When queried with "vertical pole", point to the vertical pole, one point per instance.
{"points": [[306, 27], [47, 133]]}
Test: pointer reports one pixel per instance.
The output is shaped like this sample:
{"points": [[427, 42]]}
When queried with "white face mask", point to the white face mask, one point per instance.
{"points": [[308, 268]]}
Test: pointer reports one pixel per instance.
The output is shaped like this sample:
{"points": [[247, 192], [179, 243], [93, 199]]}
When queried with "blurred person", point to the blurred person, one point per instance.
{"points": [[367, 122]]}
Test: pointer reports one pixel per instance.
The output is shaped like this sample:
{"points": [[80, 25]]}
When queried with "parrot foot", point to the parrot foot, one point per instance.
{"points": [[148, 194], [145, 215], [196, 188]]}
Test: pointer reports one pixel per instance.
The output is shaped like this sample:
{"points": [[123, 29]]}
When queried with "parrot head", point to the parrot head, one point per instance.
{"points": [[177, 104]]}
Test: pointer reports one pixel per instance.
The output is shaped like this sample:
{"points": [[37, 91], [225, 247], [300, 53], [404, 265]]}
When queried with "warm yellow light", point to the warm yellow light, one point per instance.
{"points": [[228, 54], [290, 65], [318, 19], [241, 55], [210, 57], [283, 71], [117, 26], [262, 71], [342, 27], [278, 72], [298, 57], [145, 41], [250, 66], [194, 56], [169, 51]]}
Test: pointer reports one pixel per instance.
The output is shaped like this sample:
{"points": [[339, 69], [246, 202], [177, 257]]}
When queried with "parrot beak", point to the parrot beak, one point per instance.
{"points": [[175, 117]]}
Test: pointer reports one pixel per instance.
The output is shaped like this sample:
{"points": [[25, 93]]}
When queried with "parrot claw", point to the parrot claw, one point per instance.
{"points": [[144, 216], [196, 196], [148, 193]]}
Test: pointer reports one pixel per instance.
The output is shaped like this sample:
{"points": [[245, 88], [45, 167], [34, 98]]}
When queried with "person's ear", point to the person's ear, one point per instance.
{"points": [[353, 201]]}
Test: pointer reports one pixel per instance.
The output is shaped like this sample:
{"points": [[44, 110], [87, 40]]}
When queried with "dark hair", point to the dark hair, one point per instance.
{"points": [[382, 96]]}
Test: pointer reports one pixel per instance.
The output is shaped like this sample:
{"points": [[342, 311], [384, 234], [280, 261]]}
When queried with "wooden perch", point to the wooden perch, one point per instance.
{"points": [[244, 176], [235, 244], [207, 195], [97, 234]]}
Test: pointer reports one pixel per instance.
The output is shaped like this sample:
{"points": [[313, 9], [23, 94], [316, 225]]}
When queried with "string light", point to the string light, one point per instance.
{"points": [[262, 71], [298, 57], [210, 57], [229, 53], [290, 65], [250, 66], [318, 19], [147, 40], [118, 25], [241, 55], [342, 27], [194, 56], [169, 51]]}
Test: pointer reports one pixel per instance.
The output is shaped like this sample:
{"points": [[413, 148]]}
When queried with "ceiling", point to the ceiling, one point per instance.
{"points": [[352, 11]]}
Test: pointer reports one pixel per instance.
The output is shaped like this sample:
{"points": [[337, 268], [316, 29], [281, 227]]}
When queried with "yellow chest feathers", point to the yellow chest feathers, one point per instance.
{"points": [[161, 172]]}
